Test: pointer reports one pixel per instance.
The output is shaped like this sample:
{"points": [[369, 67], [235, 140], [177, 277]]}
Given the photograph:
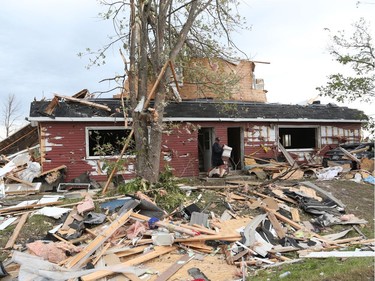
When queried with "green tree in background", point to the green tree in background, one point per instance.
{"points": [[355, 51]]}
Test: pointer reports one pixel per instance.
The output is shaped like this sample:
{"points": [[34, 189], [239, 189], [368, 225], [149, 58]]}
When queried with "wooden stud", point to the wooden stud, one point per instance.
{"points": [[174, 268], [85, 102], [16, 231], [161, 250], [98, 241], [276, 225]]}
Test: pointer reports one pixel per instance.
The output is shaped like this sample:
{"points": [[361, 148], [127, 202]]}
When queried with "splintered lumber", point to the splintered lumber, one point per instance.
{"points": [[80, 258], [112, 259], [167, 225], [159, 250], [32, 206], [325, 193], [276, 225], [199, 246], [16, 231], [224, 237], [288, 157], [124, 252], [295, 214], [291, 222], [102, 251], [81, 94], [114, 170], [89, 103], [19, 180], [285, 219], [199, 228], [53, 170], [51, 106], [174, 268], [156, 84], [345, 240], [349, 155]]}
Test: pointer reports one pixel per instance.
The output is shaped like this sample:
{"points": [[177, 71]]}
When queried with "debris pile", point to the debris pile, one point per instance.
{"points": [[360, 170], [130, 237]]}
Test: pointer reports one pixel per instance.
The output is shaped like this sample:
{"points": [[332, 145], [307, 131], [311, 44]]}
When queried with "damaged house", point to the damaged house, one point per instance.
{"points": [[70, 128]]}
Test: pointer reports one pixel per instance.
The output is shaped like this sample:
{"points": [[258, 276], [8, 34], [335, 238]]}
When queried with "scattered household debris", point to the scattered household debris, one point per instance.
{"points": [[99, 237], [124, 236]]}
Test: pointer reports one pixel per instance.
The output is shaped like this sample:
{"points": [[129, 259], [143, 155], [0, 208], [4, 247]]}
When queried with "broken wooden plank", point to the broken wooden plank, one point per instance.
{"points": [[198, 245], [291, 222], [288, 157], [85, 102], [199, 228], [82, 94], [101, 253], [112, 259], [127, 252], [349, 155], [16, 231], [53, 170], [224, 237], [114, 170], [11, 177], [51, 106], [345, 240], [295, 214], [159, 250], [174, 268], [80, 258], [276, 225], [20, 188], [166, 225], [325, 193], [32, 206]]}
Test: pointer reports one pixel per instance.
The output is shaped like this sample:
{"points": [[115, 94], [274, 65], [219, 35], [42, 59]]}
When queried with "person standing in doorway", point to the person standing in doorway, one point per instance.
{"points": [[216, 157]]}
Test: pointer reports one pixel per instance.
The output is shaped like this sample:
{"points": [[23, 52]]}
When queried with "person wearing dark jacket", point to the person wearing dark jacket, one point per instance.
{"points": [[216, 157]]}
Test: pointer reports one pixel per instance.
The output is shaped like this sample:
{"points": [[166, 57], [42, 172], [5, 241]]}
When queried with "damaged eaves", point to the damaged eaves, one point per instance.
{"points": [[24, 138], [206, 110]]}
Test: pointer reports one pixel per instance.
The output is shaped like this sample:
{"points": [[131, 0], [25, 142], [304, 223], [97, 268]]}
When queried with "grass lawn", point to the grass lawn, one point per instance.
{"points": [[332, 269]]}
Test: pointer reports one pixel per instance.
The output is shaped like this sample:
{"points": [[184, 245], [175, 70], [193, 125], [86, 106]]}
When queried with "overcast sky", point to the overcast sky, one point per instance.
{"points": [[40, 40]]}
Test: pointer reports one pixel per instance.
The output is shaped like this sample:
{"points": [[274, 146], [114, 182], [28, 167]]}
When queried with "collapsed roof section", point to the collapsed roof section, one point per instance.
{"points": [[108, 109], [24, 138]]}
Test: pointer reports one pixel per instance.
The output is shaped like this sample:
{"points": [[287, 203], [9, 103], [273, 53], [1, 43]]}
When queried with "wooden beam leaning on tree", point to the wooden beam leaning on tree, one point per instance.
{"points": [[162, 71]]}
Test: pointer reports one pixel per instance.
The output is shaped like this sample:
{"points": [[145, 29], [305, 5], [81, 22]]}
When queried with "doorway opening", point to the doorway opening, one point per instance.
{"points": [[204, 148], [235, 142]]}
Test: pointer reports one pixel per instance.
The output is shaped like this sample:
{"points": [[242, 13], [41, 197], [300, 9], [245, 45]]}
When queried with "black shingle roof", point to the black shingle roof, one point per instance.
{"points": [[208, 109]]}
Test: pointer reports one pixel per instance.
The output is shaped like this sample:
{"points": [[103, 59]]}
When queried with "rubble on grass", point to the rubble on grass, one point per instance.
{"points": [[267, 221], [134, 238]]}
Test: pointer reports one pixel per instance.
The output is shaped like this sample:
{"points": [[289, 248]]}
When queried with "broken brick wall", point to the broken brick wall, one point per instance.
{"points": [[206, 78]]}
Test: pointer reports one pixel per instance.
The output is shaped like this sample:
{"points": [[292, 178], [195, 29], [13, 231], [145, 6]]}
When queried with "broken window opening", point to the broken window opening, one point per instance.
{"points": [[108, 142], [298, 138]]}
